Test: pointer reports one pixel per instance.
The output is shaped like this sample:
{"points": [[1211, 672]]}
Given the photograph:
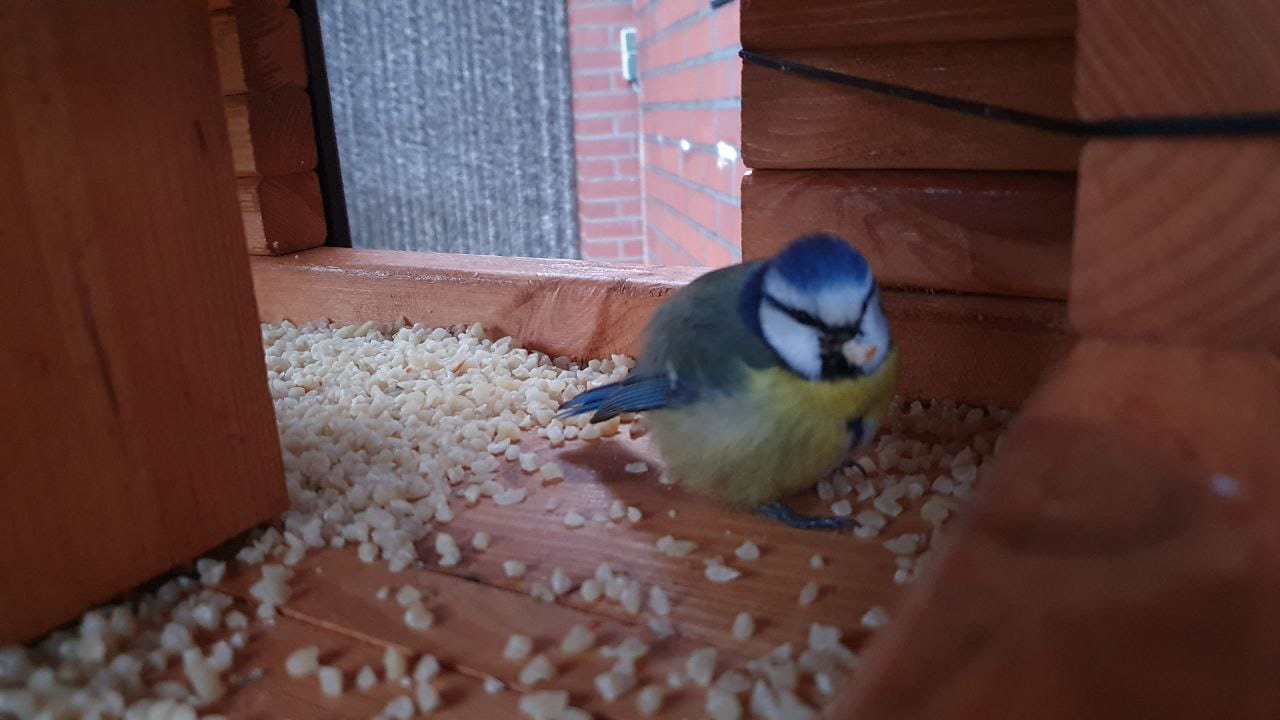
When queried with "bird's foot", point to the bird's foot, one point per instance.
{"points": [[782, 513], [854, 464]]}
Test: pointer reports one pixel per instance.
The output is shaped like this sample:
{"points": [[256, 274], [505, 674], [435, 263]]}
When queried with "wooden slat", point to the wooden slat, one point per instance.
{"points": [[270, 38], [1121, 559], [215, 5], [271, 132], [477, 606], [790, 122], [282, 214], [973, 348], [236, 109], [251, 215], [473, 622], [226, 47], [983, 232], [964, 347], [131, 444], [781, 24], [1177, 57], [1177, 241], [859, 574]]}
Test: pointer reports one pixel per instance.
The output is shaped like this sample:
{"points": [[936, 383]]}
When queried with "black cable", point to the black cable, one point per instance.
{"points": [[1189, 125]]}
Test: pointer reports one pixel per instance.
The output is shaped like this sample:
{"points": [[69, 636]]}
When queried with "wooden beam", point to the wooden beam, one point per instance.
{"points": [[139, 431], [271, 132], [791, 122], [292, 213], [1121, 559], [980, 232], [1177, 57], [1176, 241], [270, 39], [786, 25], [969, 348], [282, 214]]}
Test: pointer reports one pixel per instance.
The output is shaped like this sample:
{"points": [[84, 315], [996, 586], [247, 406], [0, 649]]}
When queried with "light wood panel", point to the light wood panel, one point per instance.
{"points": [[784, 24], [964, 347], [226, 48], [1177, 57], [790, 122], [982, 232], [132, 444], [1121, 560], [1176, 241]]}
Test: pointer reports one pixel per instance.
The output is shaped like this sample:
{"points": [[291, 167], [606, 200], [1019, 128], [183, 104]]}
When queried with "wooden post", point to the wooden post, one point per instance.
{"points": [[1122, 559], [137, 422]]}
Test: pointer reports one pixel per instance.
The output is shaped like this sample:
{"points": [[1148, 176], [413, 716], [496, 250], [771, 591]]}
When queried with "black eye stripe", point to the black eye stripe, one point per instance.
{"points": [[805, 318]]}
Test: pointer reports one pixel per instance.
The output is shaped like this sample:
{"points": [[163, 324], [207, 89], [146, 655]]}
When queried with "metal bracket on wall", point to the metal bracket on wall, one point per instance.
{"points": [[627, 43]]}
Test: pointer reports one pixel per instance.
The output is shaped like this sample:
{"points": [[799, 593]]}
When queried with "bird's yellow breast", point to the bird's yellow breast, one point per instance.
{"points": [[778, 435]]}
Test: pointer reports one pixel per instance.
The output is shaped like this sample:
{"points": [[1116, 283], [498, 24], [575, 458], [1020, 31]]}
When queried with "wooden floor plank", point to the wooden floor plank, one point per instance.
{"points": [[477, 607], [273, 694], [336, 593]]}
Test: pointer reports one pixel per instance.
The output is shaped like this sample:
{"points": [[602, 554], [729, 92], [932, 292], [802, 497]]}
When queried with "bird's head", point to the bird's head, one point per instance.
{"points": [[817, 306]]}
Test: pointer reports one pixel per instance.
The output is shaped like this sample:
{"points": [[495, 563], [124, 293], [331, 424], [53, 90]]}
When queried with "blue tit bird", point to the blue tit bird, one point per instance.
{"points": [[758, 379]]}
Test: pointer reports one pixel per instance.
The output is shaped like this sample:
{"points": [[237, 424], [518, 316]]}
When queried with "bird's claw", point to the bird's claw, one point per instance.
{"points": [[782, 513]]}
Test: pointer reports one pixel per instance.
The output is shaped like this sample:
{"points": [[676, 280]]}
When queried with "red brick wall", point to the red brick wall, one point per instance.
{"points": [[690, 107], [606, 121], [657, 166]]}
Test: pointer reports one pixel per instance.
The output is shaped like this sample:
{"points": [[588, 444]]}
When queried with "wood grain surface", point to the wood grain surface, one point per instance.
{"points": [[781, 24], [132, 444], [966, 347], [791, 122], [980, 232], [1121, 559], [282, 214], [1176, 241], [1177, 57], [271, 132]]}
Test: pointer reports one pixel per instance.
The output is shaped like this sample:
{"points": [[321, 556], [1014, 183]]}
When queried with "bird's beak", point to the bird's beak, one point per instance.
{"points": [[858, 354]]}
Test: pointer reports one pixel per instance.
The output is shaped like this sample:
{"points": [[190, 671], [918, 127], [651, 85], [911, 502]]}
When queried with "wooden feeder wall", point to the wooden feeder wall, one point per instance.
{"points": [[1124, 292]]}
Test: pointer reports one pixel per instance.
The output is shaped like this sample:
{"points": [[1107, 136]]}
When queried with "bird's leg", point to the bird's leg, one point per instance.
{"points": [[782, 513]]}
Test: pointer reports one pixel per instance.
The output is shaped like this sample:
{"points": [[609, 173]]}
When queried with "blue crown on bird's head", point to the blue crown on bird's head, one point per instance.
{"points": [[813, 262]]}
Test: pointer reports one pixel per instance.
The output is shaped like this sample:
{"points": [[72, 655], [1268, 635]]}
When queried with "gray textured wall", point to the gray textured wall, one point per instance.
{"points": [[454, 125]]}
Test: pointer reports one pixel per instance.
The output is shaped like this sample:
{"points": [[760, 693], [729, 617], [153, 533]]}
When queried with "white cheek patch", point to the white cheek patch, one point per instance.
{"points": [[875, 333], [795, 343]]}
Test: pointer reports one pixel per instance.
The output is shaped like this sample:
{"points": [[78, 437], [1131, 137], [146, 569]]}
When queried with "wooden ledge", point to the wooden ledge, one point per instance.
{"points": [[966, 347]]}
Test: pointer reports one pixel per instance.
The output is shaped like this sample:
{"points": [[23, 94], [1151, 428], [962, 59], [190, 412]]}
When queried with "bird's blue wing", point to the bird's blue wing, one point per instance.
{"points": [[634, 394]]}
